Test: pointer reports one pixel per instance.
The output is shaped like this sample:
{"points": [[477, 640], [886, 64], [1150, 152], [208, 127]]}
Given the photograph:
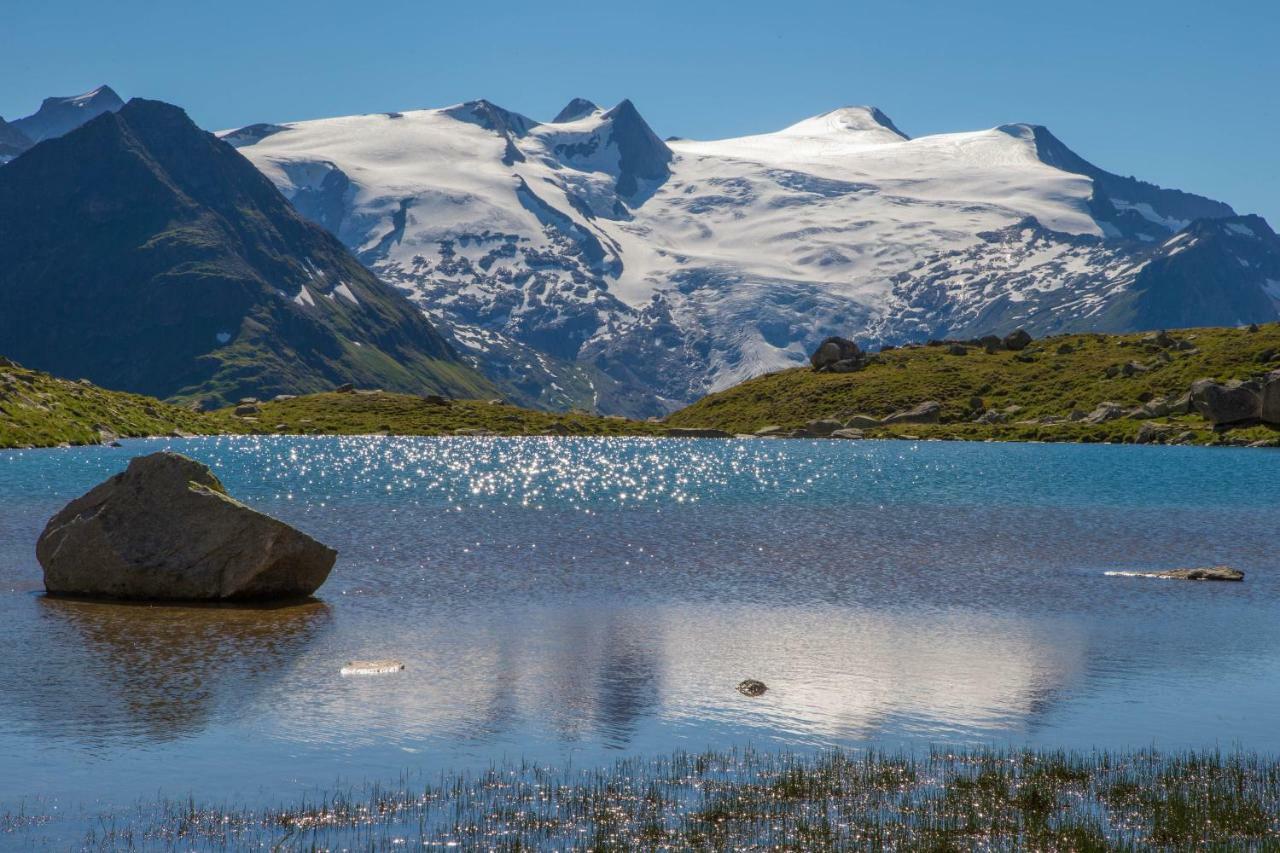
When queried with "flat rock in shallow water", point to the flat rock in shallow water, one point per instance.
{"points": [[372, 667], [166, 530], [1213, 573]]}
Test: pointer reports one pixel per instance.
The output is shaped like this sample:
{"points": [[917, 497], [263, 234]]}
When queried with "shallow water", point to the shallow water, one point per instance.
{"points": [[582, 599]]}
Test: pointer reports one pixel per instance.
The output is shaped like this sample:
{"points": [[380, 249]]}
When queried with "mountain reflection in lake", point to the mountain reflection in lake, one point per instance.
{"points": [[577, 599]]}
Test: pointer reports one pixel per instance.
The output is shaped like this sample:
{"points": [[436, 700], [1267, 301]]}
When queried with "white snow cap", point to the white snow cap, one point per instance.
{"points": [[862, 120]]}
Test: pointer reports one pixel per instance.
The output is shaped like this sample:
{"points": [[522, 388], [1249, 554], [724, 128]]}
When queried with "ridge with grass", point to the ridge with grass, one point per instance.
{"points": [[1040, 392], [40, 410]]}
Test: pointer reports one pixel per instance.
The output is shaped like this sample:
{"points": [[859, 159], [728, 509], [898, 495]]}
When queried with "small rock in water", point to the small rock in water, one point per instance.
{"points": [[372, 667], [751, 687], [1213, 573]]}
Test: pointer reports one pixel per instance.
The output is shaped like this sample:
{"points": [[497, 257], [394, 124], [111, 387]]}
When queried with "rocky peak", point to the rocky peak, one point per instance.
{"points": [[574, 110], [59, 115]]}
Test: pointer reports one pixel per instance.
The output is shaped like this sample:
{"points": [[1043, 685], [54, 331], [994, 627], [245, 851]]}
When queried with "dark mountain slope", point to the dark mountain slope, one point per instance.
{"points": [[144, 254], [60, 115]]}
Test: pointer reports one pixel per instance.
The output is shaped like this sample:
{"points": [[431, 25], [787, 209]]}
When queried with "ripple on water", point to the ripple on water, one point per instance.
{"points": [[557, 598]]}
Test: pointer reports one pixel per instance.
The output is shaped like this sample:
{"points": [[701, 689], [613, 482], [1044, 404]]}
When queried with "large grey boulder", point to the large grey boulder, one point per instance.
{"points": [[166, 529], [1018, 340], [823, 426], [927, 412], [834, 350], [1226, 403], [1270, 409]]}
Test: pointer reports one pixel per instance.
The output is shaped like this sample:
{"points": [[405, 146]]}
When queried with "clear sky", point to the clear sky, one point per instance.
{"points": [[1185, 94]]}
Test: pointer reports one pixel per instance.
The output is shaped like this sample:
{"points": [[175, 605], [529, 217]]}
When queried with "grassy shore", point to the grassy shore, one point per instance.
{"points": [[985, 799], [1050, 380], [1040, 393], [358, 413]]}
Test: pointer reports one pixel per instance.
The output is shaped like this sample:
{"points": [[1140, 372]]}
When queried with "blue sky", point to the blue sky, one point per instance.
{"points": [[1180, 93]]}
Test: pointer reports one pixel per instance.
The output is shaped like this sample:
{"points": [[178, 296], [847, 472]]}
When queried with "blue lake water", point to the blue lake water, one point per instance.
{"points": [[585, 599]]}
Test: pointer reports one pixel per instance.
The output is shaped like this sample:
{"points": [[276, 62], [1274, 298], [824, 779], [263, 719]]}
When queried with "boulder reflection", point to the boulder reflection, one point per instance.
{"points": [[109, 671]]}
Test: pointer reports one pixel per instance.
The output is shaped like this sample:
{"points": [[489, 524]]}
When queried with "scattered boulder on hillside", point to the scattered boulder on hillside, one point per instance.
{"points": [[958, 349], [862, 422], [835, 350], [928, 412], [1105, 412], [1150, 433], [824, 426], [166, 529], [1227, 403], [1269, 411], [1018, 340]]}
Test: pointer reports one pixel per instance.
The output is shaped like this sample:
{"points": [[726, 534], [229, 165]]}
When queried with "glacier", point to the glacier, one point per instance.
{"points": [[586, 262]]}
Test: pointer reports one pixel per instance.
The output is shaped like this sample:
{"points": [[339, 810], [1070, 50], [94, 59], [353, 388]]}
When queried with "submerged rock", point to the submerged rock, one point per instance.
{"points": [[751, 687], [166, 529], [372, 667], [1213, 573]]}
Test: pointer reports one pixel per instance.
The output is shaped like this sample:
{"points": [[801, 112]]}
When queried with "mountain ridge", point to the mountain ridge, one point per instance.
{"points": [[718, 260], [146, 255]]}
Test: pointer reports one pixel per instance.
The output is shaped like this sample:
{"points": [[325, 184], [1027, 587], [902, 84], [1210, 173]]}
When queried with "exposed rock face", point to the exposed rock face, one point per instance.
{"points": [[834, 350], [927, 412], [1226, 403], [165, 529]]}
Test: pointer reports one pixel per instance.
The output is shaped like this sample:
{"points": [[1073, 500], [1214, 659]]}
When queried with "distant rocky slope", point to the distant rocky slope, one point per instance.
{"points": [[646, 273], [146, 255]]}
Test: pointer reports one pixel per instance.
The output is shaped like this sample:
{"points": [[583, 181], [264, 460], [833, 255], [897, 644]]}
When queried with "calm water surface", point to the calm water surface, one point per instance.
{"points": [[581, 599]]}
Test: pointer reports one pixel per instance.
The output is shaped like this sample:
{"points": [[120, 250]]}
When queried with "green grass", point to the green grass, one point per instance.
{"points": [[400, 414], [943, 800], [1040, 379], [39, 410]]}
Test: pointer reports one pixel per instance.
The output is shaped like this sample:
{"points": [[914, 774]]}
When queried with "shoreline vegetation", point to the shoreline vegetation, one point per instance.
{"points": [[1073, 388], [942, 800]]}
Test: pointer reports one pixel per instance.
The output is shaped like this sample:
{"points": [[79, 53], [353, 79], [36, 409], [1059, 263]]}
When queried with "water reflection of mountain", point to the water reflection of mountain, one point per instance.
{"points": [[619, 677], [102, 672]]}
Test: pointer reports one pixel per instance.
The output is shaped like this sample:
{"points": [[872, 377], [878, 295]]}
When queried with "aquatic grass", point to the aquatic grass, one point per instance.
{"points": [[945, 800]]}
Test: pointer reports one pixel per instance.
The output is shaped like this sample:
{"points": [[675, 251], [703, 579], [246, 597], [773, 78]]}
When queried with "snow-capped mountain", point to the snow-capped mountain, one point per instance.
{"points": [[643, 273]]}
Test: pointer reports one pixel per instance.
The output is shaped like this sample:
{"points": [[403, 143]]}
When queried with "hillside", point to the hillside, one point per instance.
{"points": [[146, 255], [39, 410], [1046, 392]]}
